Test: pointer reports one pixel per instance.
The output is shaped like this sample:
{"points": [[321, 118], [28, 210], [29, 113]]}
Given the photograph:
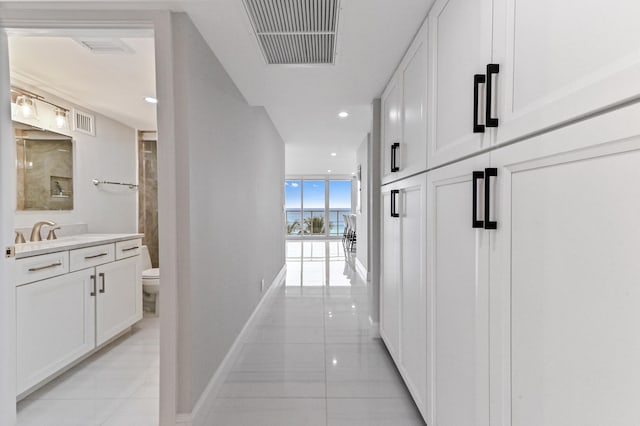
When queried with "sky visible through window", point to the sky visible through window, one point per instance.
{"points": [[339, 194]]}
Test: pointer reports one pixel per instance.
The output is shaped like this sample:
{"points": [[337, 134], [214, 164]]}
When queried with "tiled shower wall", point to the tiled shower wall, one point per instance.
{"points": [[148, 193]]}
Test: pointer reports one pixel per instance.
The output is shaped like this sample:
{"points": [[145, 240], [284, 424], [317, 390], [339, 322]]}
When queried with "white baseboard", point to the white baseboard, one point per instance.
{"points": [[205, 403], [362, 271]]}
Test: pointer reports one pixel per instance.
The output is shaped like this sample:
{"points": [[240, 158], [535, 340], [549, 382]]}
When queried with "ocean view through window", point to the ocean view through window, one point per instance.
{"points": [[316, 207]]}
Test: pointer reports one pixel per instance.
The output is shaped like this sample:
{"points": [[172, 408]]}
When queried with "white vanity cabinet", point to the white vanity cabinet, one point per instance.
{"points": [[119, 297], [55, 325], [70, 302]]}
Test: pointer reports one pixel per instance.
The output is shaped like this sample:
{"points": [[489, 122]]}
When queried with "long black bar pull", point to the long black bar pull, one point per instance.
{"points": [[478, 79], [394, 157], [394, 194], [491, 70], [477, 175], [488, 173]]}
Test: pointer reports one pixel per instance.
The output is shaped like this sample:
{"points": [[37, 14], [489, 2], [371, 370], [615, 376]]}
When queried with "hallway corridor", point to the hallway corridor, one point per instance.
{"points": [[309, 359]]}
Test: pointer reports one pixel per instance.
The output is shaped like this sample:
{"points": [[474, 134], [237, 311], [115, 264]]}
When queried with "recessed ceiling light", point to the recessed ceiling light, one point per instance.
{"points": [[328, 171], [333, 154], [343, 114], [151, 99]]}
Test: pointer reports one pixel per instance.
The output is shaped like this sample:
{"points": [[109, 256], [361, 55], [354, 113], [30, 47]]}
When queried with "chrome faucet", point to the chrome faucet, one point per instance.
{"points": [[35, 232]]}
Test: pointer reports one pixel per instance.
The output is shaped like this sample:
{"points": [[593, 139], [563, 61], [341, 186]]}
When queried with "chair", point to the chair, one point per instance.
{"points": [[353, 232]]}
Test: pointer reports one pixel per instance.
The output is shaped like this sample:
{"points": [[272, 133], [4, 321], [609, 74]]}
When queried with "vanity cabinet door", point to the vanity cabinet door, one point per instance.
{"points": [[55, 325], [119, 297]]}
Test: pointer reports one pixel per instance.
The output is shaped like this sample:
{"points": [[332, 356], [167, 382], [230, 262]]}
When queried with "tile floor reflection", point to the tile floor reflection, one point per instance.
{"points": [[117, 386], [310, 358]]}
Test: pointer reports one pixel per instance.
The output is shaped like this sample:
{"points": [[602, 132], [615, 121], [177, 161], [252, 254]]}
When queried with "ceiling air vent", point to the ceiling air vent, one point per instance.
{"points": [[84, 123], [295, 31], [113, 46]]}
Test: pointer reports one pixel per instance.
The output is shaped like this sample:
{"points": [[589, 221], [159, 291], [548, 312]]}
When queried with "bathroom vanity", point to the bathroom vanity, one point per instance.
{"points": [[73, 295]]}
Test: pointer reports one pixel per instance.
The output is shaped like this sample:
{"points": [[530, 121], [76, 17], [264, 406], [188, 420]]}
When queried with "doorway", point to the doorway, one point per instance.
{"points": [[21, 21]]}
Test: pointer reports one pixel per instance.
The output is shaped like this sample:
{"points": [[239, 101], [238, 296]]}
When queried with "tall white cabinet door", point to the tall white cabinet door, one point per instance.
{"points": [[563, 59], [55, 321], [390, 274], [119, 302], [458, 295], [565, 277], [412, 154], [413, 334], [391, 129], [460, 40]]}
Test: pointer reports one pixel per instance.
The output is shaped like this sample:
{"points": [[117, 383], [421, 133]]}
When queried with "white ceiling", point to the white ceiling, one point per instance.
{"points": [[112, 84], [303, 101]]}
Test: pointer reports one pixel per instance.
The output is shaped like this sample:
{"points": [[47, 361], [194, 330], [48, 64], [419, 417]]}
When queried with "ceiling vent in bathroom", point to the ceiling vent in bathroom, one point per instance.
{"points": [[295, 32], [84, 123], [113, 46]]}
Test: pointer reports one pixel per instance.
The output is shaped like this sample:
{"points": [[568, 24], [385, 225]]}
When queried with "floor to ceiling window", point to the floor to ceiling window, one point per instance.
{"points": [[316, 207]]}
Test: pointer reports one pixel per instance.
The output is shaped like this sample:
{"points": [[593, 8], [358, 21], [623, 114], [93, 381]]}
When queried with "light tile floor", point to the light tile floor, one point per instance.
{"points": [[310, 358], [117, 386]]}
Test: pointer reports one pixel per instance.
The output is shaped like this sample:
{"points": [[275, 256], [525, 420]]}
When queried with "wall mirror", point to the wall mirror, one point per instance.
{"points": [[44, 169]]}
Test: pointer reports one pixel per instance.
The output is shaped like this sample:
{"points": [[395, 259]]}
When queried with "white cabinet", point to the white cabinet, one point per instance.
{"points": [[119, 298], [62, 318], [404, 120], [55, 321], [403, 289], [458, 295], [390, 273], [391, 129], [561, 60], [564, 277], [461, 47]]}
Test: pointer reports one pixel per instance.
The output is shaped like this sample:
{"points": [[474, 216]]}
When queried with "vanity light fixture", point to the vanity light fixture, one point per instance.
{"points": [[62, 118], [151, 99], [27, 106], [343, 114]]}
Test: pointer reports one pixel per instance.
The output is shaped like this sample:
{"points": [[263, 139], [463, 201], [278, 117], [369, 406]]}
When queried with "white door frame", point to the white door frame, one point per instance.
{"points": [[95, 17]]}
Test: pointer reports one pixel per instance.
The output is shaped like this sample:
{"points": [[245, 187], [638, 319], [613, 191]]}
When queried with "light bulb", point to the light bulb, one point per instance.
{"points": [[61, 119]]}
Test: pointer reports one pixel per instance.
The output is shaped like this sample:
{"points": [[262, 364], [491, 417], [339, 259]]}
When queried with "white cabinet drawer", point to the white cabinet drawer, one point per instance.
{"points": [[41, 267], [128, 248], [91, 256]]}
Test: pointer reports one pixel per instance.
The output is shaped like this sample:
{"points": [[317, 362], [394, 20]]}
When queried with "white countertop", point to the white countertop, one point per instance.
{"points": [[70, 243]]}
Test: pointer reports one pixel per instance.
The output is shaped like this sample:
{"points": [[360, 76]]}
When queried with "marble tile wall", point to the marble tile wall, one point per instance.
{"points": [[148, 195], [45, 174]]}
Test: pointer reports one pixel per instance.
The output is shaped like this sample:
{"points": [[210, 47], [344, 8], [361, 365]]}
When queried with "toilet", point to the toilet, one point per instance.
{"points": [[150, 280]]}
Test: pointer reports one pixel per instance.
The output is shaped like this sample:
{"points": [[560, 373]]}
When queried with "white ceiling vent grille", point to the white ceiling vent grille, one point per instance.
{"points": [[103, 46], [84, 123], [295, 31]]}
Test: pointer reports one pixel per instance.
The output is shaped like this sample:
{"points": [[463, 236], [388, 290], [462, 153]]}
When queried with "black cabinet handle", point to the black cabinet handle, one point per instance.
{"points": [[394, 193], [478, 79], [477, 175], [488, 173], [491, 70], [394, 154], [93, 286], [101, 275]]}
